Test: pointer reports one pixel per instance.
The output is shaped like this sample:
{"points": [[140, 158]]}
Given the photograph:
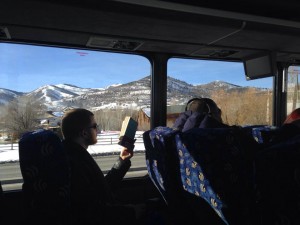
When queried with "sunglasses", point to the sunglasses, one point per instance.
{"points": [[95, 126]]}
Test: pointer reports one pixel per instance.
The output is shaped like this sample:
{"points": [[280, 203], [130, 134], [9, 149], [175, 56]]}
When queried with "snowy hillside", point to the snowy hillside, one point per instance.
{"points": [[8, 95], [132, 95]]}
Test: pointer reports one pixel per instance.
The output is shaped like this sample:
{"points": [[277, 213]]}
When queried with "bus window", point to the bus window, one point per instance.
{"points": [[39, 84], [293, 96], [242, 102]]}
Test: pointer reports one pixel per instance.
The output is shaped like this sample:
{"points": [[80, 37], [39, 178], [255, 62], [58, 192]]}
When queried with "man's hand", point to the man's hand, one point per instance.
{"points": [[126, 153]]}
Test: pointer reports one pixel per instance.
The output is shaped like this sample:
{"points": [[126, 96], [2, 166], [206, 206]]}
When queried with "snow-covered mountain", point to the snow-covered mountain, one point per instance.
{"points": [[7, 95], [131, 95], [54, 96], [217, 85], [135, 94], [77, 90], [50, 93]]}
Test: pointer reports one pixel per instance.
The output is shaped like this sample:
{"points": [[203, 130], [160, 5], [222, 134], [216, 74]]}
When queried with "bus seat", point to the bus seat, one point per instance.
{"points": [[263, 134], [46, 176], [278, 182], [217, 166], [163, 168], [154, 142]]}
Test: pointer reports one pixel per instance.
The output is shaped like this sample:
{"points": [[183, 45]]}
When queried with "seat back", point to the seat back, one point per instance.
{"points": [[46, 176], [263, 134], [217, 166], [158, 160], [163, 168], [278, 182], [241, 180]]}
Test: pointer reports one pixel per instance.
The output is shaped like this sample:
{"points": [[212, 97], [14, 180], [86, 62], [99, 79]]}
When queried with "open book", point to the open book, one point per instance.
{"points": [[127, 134]]}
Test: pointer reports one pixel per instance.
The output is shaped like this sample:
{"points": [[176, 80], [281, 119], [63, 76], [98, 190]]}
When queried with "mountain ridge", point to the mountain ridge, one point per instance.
{"points": [[134, 94]]}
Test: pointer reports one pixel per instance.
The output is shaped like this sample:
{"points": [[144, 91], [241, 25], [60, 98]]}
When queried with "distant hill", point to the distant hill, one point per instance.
{"points": [[135, 94], [217, 85], [8, 95]]}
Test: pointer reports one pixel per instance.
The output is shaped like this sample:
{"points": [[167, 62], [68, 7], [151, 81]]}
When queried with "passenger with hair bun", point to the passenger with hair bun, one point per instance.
{"points": [[201, 113]]}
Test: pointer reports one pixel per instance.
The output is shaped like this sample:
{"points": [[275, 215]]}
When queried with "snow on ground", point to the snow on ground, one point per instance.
{"points": [[103, 146]]}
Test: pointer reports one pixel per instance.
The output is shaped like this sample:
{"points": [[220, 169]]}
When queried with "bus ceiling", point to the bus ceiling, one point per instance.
{"points": [[228, 31]]}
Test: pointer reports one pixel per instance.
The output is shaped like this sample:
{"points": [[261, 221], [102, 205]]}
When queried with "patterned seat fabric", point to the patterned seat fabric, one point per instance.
{"points": [[163, 168], [46, 177], [156, 158], [244, 181], [263, 134], [161, 164], [216, 165], [278, 182]]}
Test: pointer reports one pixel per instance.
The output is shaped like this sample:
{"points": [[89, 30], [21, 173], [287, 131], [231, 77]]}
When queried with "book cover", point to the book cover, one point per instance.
{"points": [[128, 130]]}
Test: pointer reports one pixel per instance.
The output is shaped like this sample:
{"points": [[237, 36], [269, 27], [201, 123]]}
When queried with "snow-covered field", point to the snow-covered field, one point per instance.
{"points": [[107, 143]]}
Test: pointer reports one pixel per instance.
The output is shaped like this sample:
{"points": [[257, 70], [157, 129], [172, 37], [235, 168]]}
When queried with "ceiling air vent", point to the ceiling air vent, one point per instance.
{"points": [[117, 44], [4, 34], [215, 53], [222, 53]]}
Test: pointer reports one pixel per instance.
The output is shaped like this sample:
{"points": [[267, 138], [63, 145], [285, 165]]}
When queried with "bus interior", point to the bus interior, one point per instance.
{"points": [[158, 38]]}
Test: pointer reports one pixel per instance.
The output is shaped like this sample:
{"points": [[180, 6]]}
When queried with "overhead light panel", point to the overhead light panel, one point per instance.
{"points": [[4, 34], [214, 53], [111, 43]]}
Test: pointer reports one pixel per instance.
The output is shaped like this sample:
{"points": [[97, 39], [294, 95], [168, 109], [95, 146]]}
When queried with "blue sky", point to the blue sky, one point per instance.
{"points": [[25, 68], [205, 71]]}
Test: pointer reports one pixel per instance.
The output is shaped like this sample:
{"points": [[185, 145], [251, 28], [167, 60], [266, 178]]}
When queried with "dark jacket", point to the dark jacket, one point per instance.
{"points": [[91, 193], [189, 119]]}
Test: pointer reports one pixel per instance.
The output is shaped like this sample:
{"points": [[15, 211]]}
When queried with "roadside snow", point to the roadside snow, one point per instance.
{"points": [[11, 155]]}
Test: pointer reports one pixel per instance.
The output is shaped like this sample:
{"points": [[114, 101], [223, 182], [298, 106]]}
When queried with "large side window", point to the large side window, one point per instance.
{"points": [[39, 84], [242, 102], [293, 89]]}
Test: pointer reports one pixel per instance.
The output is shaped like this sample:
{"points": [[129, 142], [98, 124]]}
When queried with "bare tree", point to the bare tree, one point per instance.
{"points": [[111, 119], [245, 107], [22, 115]]}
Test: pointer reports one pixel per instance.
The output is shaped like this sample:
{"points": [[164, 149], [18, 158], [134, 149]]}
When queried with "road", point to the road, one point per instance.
{"points": [[11, 178]]}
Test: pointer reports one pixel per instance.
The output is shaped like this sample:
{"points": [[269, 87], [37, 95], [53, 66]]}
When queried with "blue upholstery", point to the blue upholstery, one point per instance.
{"points": [[243, 179], [163, 168], [46, 176], [216, 165], [195, 182], [262, 134], [156, 156], [161, 164]]}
